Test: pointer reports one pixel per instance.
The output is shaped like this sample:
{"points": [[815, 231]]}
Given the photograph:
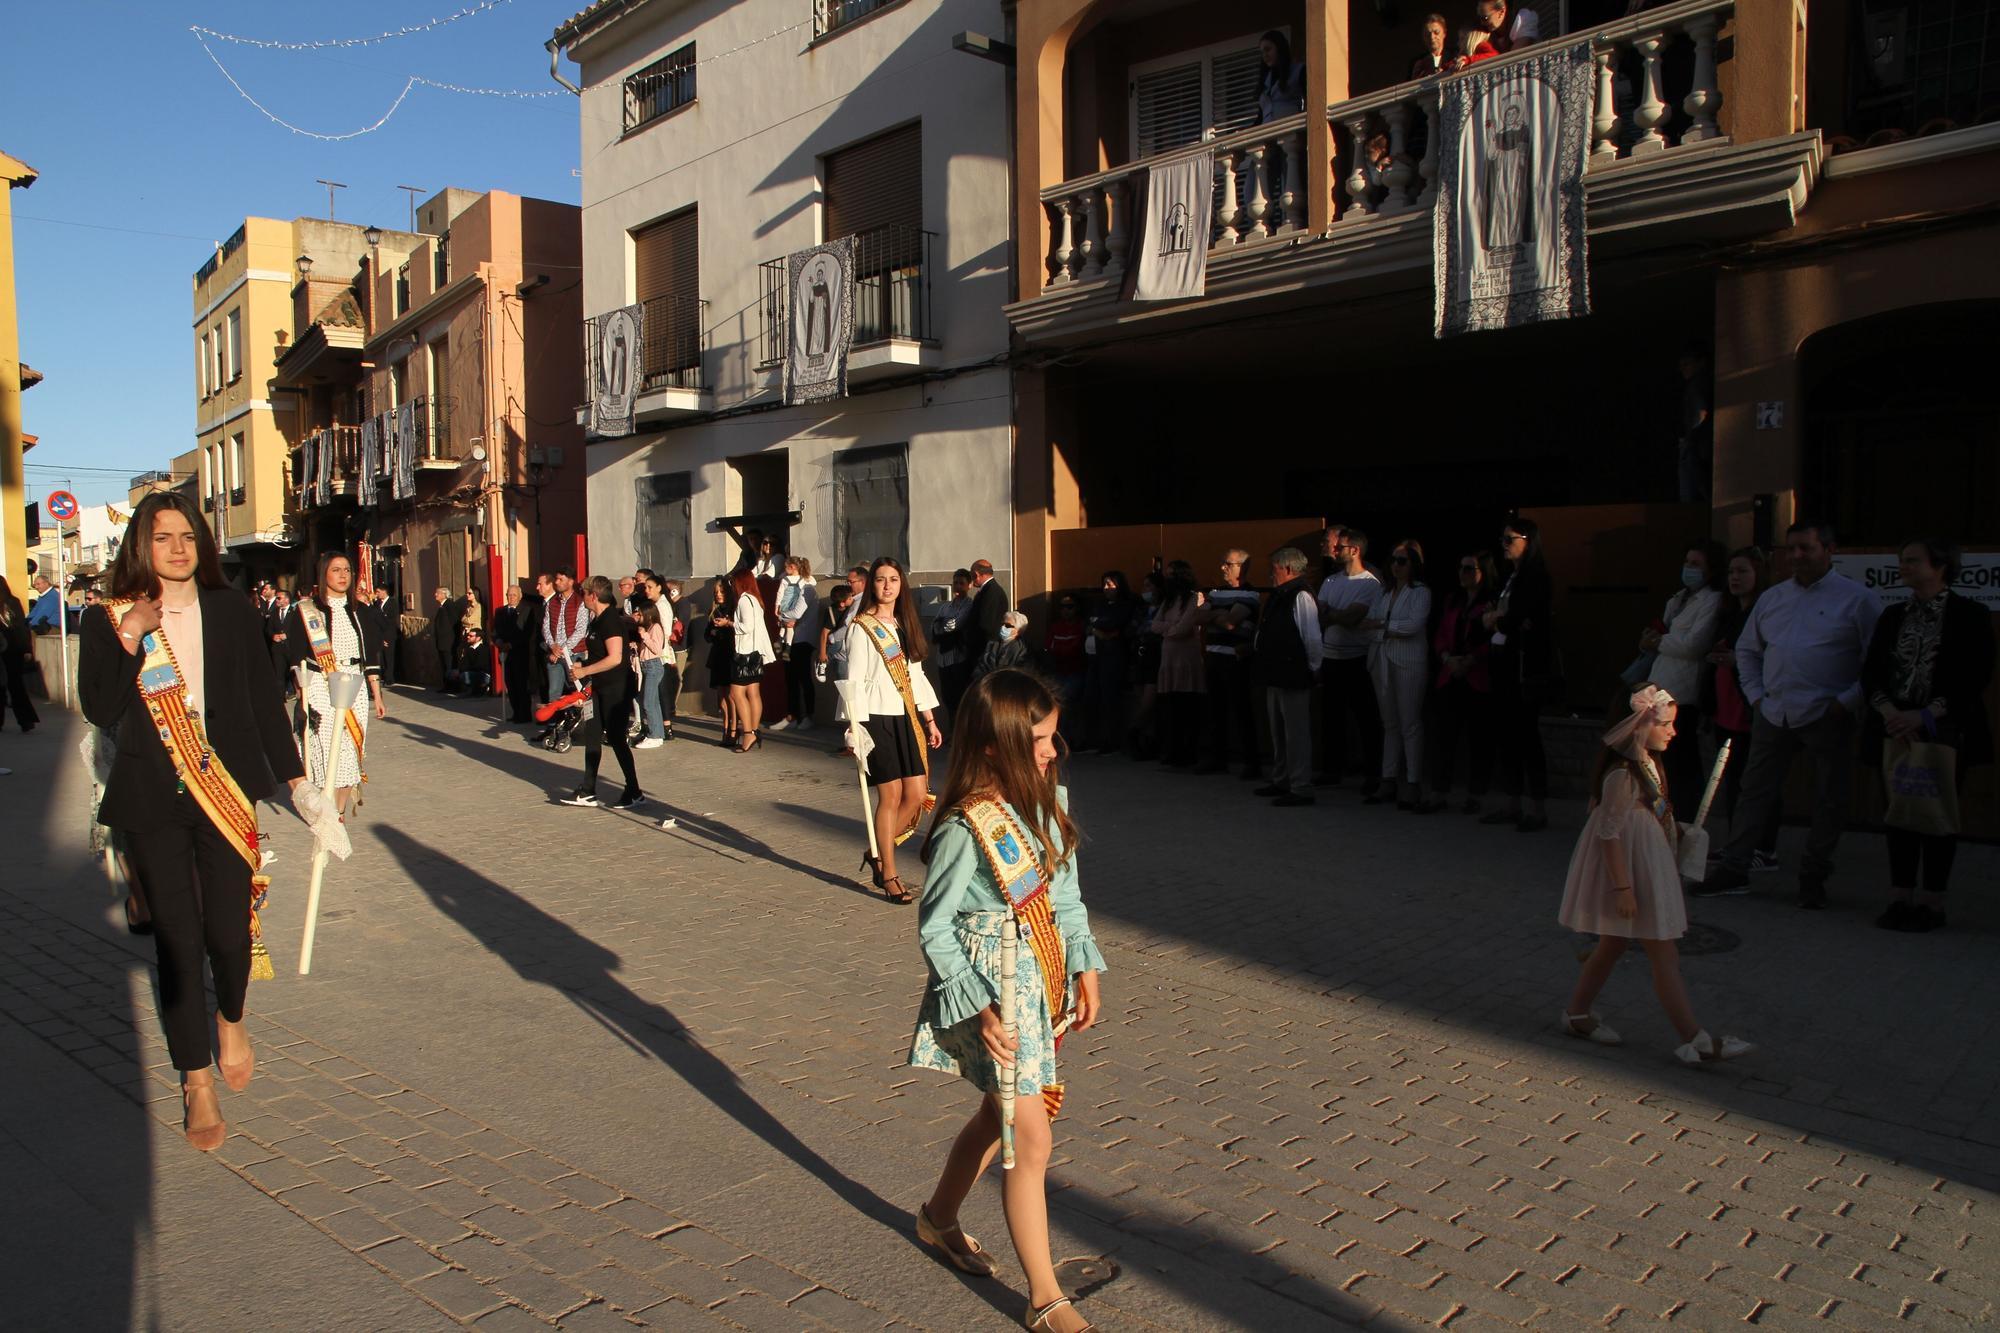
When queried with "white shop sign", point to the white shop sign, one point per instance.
{"points": [[1978, 576]]}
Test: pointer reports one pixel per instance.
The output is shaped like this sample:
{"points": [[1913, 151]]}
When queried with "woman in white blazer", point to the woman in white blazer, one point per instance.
{"points": [[889, 697], [754, 652]]}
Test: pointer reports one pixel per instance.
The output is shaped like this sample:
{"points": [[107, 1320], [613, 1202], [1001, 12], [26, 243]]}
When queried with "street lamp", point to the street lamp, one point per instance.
{"points": [[373, 235], [305, 265]]}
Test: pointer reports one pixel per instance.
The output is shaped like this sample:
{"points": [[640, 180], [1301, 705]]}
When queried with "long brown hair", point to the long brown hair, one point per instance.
{"points": [[132, 570], [909, 626], [993, 751]]}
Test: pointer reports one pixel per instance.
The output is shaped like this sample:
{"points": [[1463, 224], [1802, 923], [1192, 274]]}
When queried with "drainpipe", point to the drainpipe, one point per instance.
{"points": [[555, 55]]}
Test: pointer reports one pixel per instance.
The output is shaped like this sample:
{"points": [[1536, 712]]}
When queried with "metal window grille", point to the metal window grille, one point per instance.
{"points": [[892, 292], [663, 534], [833, 15], [871, 504], [663, 86]]}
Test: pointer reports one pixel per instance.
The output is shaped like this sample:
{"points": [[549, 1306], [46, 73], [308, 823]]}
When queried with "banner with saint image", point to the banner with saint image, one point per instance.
{"points": [[819, 328], [1508, 242], [618, 355], [371, 444]]}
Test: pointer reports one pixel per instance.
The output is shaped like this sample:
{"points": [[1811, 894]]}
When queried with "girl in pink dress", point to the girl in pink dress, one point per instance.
{"points": [[1625, 884]]}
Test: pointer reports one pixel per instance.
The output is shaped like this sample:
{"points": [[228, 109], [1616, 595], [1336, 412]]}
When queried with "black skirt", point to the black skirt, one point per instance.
{"points": [[897, 753]]}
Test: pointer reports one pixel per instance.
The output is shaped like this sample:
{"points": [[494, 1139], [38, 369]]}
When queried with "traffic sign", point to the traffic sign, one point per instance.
{"points": [[62, 506]]}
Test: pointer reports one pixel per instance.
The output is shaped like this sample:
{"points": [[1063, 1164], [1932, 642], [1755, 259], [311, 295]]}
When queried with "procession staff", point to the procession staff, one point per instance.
{"points": [[177, 664], [889, 697], [1003, 852], [327, 633]]}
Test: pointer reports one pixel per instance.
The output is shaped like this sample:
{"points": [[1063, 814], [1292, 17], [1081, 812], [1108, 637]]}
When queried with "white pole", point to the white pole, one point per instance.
{"points": [[62, 615], [1010, 949]]}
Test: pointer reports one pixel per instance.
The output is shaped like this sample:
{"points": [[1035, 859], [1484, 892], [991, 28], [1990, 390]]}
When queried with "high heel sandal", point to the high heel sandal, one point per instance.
{"points": [[728, 741], [973, 1259], [206, 1138], [1037, 1321], [753, 742], [895, 891], [873, 865]]}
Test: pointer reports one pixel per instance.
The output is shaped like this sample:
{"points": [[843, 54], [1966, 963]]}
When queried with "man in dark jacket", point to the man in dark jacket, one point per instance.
{"points": [[389, 620], [510, 632], [1287, 660], [989, 606], [444, 636], [534, 607]]}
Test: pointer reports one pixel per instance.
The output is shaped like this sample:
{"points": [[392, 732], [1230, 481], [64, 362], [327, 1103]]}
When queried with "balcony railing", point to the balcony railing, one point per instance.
{"points": [[663, 86], [1388, 146], [892, 292], [671, 346], [341, 445], [215, 261], [833, 15]]}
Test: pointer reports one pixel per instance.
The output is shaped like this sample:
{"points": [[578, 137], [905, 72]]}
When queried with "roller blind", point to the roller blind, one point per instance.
{"points": [[876, 183], [1169, 108], [667, 257], [1235, 79]]}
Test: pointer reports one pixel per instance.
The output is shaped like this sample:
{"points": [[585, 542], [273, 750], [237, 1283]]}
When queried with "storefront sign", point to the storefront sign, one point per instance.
{"points": [[1978, 576]]}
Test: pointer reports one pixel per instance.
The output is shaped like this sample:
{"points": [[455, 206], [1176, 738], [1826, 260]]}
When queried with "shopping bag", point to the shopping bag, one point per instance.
{"points": [[1922, 778]]}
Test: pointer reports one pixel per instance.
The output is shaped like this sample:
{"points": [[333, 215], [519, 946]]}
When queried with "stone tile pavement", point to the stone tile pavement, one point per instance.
{"points": [[562, 1066]]}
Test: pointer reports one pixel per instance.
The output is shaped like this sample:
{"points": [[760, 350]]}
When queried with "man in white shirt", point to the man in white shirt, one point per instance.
{"points": [[1347, 698], [1288, 653], [1799, 661]]}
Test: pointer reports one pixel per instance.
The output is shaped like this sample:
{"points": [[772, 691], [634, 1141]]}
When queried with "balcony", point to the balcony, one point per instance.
{"points": [[326, 465], [671, 383], [1662, 172], [892, 306]]}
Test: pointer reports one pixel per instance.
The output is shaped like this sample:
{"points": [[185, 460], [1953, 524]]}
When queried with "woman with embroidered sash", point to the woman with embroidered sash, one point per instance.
{"points": [[177, 665], [889, 696], [1004, 844], [330, 632], [1625, 881]]}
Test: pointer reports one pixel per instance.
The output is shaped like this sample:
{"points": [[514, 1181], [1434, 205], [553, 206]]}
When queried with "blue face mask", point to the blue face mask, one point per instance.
{"points": [[1692, 578], [1006, 633]]}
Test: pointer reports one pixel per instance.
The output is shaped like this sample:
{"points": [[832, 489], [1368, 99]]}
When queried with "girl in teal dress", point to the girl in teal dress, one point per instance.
{"points": [[1004, 750]]}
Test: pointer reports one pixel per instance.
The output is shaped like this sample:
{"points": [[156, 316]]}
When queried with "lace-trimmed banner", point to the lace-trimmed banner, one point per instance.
{"points": [[1508, 245]]}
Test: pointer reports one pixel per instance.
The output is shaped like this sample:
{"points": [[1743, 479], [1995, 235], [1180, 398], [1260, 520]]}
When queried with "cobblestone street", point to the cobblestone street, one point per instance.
{"points": [[560, 1066]]}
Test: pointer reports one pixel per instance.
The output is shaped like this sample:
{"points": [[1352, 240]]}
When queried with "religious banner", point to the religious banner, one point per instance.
{"points": [[371, 444], [404, 485], [1508, 233], [619, 354], [324, 458], [1173, 241], [820, 285], [309, 469]]}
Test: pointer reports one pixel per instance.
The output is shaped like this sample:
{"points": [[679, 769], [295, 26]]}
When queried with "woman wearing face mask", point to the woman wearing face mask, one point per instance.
{"points": [[1009, 650], [1688, 633]]}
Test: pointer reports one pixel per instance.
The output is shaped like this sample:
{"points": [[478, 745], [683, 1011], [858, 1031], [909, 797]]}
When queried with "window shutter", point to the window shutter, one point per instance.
{"points": [[668, 257], [876, 183], [1235, 80], [1168, 109]]}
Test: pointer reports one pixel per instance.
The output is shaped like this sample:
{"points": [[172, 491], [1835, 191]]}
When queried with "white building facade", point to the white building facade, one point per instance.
{"points": [[717, 139]]}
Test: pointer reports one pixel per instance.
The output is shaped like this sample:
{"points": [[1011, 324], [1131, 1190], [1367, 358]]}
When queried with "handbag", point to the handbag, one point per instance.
{"points": [[748, 668], [1922, 779]]}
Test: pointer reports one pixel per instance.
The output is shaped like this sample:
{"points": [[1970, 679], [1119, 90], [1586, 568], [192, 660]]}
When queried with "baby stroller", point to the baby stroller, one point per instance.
{"points": [[563, 715]]}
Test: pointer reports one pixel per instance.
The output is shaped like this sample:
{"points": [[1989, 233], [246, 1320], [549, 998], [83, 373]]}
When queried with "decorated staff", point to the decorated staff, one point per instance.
{"points": [[178, 655], [1002, 869], [889, 698], [329, 835], [1694, 842]]}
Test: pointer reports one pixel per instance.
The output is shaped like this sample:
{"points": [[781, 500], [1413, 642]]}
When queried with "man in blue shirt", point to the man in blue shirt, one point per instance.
{"points": [[1799, 660], [46, 614]]}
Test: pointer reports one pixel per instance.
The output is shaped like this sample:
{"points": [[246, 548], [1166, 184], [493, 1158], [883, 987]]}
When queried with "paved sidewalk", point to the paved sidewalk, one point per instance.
{"points": [[562, 1066]]}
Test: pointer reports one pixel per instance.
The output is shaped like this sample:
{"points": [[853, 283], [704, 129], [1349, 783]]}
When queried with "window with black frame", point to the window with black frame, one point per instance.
{"points": [[663, 530], [871, 504], [663, 86]]}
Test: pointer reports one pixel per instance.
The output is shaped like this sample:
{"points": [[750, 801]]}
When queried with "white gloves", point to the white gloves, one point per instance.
{"points": [[322, 818]]}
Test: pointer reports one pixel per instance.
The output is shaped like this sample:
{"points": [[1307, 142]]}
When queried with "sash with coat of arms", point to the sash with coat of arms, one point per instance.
{"points": [[1021, 878]]}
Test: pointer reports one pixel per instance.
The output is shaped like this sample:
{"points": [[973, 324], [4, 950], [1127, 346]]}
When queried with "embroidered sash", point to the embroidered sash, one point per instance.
{"points": [[320, 635], [1020, 876], [891, 648], [200, 772]]}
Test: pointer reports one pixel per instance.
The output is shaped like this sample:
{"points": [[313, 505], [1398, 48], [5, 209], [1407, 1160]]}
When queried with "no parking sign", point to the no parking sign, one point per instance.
{"points": [[62, 506]]}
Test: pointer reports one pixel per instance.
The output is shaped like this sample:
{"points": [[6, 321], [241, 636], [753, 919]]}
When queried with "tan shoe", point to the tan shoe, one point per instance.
{"points": [[199, 1102], [972, 1259]]}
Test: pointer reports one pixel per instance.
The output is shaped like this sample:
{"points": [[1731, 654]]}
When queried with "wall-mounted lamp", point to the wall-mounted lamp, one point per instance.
{"points": [[305, 265]]}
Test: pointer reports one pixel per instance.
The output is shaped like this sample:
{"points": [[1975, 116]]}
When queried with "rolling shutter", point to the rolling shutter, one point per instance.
{"points": [[876, 183], [668, 258], [1168, 108], [1235, 80]]}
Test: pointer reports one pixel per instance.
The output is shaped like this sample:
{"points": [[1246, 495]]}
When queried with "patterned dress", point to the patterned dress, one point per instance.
{"points": [[331, 730], [958, 924]]}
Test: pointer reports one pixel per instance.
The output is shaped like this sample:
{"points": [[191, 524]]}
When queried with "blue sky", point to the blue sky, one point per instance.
{"points": [[132, 127]]}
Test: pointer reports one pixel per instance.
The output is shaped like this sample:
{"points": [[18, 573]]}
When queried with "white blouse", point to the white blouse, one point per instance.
{"points": [[869, 686], [182, 629], [751, 634]]}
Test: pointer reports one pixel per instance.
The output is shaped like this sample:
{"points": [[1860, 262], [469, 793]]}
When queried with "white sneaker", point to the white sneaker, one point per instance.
{"points": [[779, 725], [1705, 1049], [650, 743]]}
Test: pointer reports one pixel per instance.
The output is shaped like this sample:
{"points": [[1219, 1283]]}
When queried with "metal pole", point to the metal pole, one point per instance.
{"points": [[62, 614]]}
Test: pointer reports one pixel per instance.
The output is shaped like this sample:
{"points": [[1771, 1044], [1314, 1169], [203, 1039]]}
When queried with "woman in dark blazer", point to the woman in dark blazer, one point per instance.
{"points": [[1521, 663], [168, 571], [1925, 679]]}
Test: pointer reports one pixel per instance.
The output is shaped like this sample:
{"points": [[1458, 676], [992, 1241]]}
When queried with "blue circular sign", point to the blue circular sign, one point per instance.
{"points": [[62, 505]]}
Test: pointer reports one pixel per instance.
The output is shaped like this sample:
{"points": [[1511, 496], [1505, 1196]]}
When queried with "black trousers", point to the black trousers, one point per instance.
{"points": [[1179, 716], [1105, 684], [670, 686], [198, 889], [1517, 726], [1229, 710], [1686, 778], [520, 685], [1347, 700], [799, 684], [954, 681], [1459, 711], [1933, 851], [1732, 791], [608, 725], [14, 680]]}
